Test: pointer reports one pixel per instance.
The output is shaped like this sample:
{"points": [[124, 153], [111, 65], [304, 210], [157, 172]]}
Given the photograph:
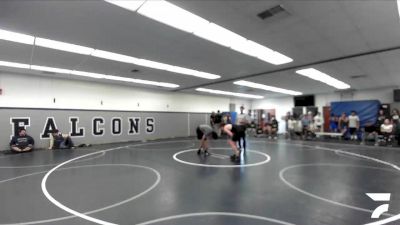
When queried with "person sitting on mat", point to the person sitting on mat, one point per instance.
{"points": [[21, 142], [60, 141], [203, 131], [234, 132]]}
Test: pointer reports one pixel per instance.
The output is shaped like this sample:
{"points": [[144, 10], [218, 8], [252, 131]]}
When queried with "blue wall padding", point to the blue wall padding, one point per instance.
{"points": [[233, 116], [366, 110]]}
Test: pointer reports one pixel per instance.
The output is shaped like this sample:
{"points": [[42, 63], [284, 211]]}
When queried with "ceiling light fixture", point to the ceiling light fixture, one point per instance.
{"points": [[266, 87], [14, 65], [47, 43], [16, 37], [86, 74], [174, 16], [152, 64], [323, 77], [219, 35], [219, 92], [114, 56], [398, 6], [140, 81], [127, 4], [68, 47], [50, 69]]}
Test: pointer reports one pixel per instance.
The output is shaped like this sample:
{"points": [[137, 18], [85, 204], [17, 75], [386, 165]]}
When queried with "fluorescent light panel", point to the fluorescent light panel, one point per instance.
{"points": [[50, 69], [68, 47], [114, 56], [14, 65], [252, 48], [275, 58], [398, 6], [16, 37], [174, 16], [266, 87], [132, 5], [140, 81], [63, 46], [219, 35], [152, 64], [86, 74], [219, 92], [323, 77]]}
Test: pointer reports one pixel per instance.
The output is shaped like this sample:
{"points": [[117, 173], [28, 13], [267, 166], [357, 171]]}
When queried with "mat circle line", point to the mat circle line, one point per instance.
{"points": [[158, 178], [267, 159]]}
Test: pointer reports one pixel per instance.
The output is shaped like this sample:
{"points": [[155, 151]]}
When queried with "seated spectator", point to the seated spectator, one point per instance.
{"points": [[381, 115], [397, 133], [286, 118], [271, 128], [267, 127], [252, 128], [395, 118], [333, 123], [370, 133], [22, 142], [343, 123], [318, 121], [380, 120], [298, 128], [387, 130], [291, 123], [274, 127], [60, 141], [306, 121]]}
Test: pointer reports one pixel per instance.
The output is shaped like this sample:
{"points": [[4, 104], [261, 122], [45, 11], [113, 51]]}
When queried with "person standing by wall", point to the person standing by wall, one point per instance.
{"points": [[217, 123], [286, 118], [396, 126], [354, 125], [243, 120], [212, 119]]}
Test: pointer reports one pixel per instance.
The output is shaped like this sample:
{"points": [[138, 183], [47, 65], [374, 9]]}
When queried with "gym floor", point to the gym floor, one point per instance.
{"points": [[166, 182]]}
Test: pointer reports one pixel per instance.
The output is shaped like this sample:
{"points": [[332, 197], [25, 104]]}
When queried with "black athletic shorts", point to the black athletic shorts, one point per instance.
{"points": [[353, 130], [238, 133], [199, 133]]}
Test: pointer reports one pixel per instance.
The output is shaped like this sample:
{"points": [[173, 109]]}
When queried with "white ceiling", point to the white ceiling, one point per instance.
{"points": [[313, 31]]}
